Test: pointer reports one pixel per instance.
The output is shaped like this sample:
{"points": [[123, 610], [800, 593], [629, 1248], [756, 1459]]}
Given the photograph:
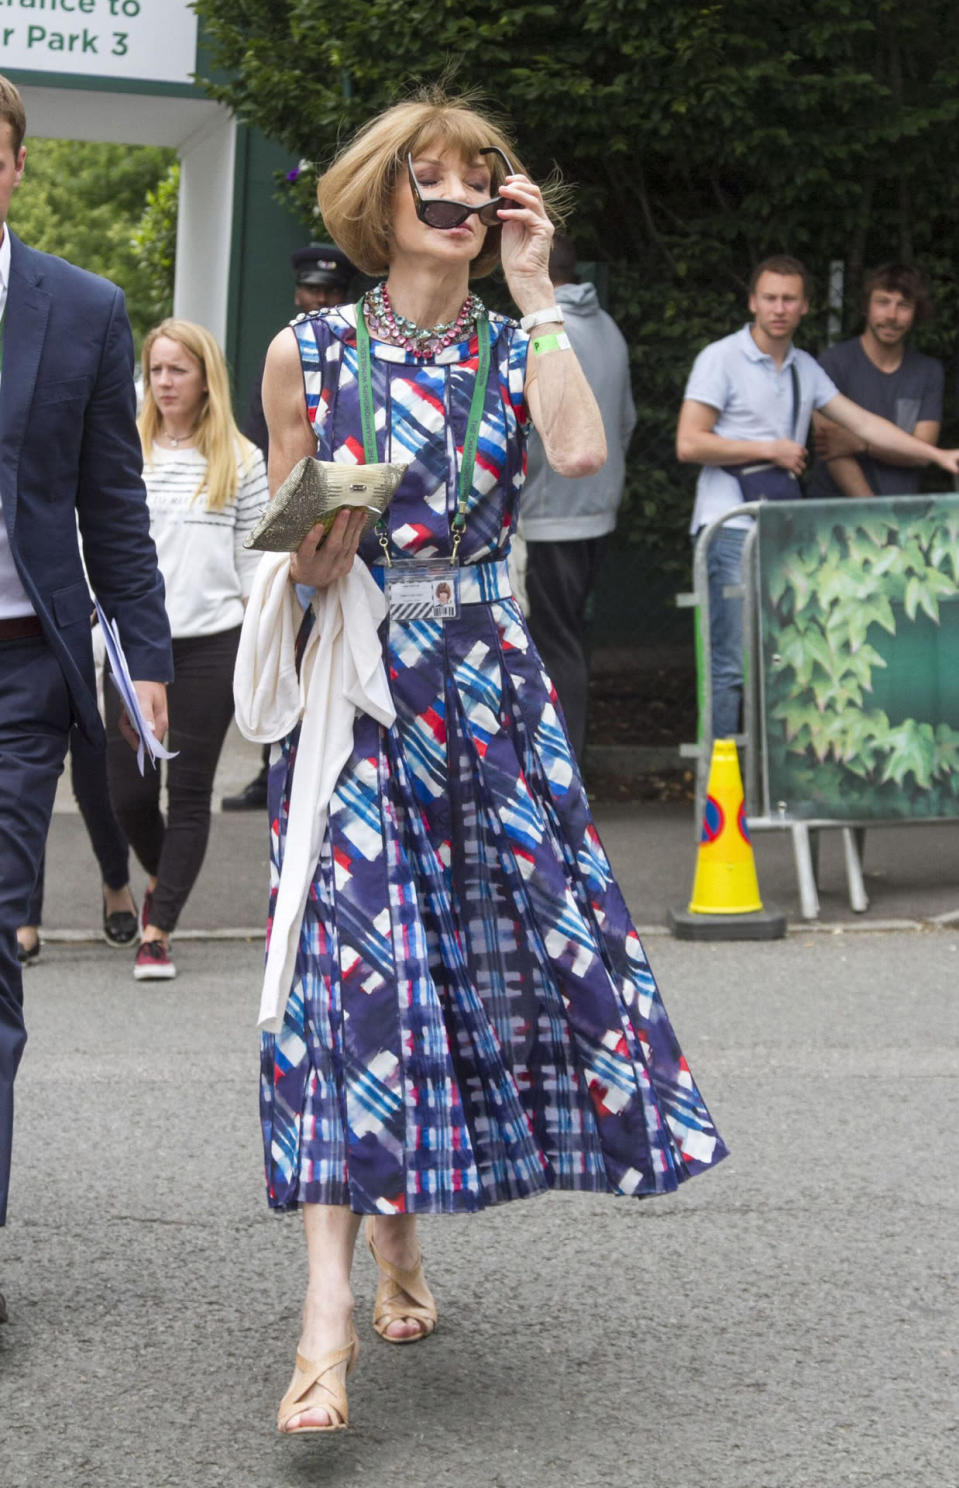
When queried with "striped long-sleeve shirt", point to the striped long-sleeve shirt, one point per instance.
{"points": [[207, 571]]}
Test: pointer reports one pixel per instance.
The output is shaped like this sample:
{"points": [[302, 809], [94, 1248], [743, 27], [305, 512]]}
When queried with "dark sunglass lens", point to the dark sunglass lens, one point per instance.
{"points": [[444, 214], [489, 214]]}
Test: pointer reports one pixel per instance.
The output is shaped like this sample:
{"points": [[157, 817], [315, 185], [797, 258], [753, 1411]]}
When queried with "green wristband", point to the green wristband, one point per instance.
{"points": [[559, 341]]}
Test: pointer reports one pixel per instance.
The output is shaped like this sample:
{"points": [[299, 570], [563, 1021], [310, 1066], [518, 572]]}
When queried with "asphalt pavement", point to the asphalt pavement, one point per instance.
{"points": [[911, 872], [786, 1321]]}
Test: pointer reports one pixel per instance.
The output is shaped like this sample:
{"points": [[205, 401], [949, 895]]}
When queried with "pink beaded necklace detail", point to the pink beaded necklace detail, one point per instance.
{"points": [[423, 341]]}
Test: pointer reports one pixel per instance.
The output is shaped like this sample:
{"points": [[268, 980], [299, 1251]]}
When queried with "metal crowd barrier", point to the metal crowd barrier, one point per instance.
{"points": [[761, 815]]}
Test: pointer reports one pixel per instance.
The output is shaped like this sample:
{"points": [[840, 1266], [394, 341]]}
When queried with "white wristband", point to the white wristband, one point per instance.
{"points": [[552, 315]]}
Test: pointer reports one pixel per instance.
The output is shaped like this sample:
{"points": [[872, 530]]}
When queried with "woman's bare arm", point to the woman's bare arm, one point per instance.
{"points": [[319, 560]]}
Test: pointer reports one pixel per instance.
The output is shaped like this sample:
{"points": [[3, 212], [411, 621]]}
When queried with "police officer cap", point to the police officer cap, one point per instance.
{"points": [[321, 263]]}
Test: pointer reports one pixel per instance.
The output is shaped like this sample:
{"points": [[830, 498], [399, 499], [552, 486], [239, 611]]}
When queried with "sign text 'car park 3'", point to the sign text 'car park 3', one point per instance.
{"points": [[153, 40]]}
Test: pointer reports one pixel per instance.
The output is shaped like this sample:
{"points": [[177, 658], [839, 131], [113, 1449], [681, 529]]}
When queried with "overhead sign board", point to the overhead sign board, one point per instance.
{"points": [[148, 40]]}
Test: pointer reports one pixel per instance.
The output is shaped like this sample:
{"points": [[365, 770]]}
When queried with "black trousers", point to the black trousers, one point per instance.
{"points": [[559, 577], [201, 706], [88, 776], [35, 722]]}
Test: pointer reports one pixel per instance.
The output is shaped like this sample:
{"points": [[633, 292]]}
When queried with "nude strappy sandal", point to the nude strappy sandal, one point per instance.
{"points": [[402, 1296], [324, 1378]]}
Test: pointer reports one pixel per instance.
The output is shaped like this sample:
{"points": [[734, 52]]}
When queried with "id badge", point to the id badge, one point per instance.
{"points": [[423, 589]]}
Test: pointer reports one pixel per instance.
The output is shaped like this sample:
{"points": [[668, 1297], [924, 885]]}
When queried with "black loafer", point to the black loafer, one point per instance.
{"points": [[120, 928], [251, 798]]}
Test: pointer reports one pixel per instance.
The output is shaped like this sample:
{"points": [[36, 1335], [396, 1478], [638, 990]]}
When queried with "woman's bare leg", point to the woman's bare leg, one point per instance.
{"points": [[152, 932], [28, 937], [116, 901], [395, 1238], [328, 1309]]}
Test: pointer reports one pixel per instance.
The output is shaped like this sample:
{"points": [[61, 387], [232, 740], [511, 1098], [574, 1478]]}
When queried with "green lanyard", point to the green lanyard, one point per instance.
{"points": [[367, 417]]}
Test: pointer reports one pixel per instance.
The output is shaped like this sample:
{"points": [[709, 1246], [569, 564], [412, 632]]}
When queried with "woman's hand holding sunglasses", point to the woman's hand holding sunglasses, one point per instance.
{"points": [[443, 214], [526, 244]]}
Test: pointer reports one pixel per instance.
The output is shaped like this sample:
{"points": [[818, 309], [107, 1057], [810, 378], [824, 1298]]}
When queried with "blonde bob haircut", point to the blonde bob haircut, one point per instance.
{"points": [[217, 437], [356, 194]]}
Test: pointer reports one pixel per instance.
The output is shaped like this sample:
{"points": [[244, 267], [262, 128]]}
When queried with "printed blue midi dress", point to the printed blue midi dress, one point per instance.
{"points": [[472, 1016]]}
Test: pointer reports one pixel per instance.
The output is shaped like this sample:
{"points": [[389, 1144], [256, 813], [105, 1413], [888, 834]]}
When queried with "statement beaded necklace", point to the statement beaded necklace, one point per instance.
{"points": [[423, 341]]}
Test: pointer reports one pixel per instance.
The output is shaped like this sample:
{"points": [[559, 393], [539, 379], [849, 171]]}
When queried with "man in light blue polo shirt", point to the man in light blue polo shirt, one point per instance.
{"points": [[749, 400]]}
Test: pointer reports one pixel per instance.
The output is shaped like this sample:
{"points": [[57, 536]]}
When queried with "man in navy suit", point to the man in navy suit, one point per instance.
{"points": [[69, 452]]}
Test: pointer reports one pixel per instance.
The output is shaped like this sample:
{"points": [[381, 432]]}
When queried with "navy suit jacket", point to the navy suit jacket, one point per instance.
{"points": [[69, 449]]}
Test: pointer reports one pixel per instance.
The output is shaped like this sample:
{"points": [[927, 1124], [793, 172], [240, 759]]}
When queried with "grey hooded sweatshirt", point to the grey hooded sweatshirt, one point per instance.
{"points": [[555, 508]]}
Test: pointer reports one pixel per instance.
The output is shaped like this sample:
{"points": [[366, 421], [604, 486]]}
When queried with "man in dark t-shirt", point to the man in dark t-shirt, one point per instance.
{"points": [[879, 371]]}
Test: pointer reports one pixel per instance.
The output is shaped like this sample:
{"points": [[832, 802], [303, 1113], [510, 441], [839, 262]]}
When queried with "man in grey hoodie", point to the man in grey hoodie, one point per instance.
{"points": [[565, 520]]}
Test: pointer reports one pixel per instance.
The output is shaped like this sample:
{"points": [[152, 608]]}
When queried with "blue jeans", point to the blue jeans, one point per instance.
{"points": [[725, 566]]}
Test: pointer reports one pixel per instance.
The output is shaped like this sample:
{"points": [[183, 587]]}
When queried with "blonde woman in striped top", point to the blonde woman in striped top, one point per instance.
{"points": [[206, 488]]}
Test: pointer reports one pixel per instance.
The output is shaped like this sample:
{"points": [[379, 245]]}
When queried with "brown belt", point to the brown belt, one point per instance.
{"points": [[20, 628]]}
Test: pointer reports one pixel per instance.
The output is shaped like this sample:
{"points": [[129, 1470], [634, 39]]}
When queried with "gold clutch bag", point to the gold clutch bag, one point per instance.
{"points": [[314, 491]]}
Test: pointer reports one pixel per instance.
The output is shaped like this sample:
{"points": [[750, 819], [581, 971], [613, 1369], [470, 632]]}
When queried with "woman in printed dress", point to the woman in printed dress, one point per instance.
{"points": [[472, 1018]]}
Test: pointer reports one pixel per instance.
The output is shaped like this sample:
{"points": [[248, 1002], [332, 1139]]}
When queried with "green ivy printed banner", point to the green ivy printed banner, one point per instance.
{"points": [[859, 631]]}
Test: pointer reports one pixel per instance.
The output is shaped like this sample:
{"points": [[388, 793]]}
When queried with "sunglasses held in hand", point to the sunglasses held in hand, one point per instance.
{"points": [[436, 212]]}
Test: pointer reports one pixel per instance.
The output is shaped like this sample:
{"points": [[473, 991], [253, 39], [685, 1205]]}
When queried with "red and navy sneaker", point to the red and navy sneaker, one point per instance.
{"points": [[153, 962]]}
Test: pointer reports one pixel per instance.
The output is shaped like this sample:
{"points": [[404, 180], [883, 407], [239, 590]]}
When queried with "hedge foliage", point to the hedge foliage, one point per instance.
{"points": [[91, 203], [699, 137]]}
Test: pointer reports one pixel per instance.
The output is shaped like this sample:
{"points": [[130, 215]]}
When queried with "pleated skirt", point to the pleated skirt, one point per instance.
{"points": [[472, 1017]]}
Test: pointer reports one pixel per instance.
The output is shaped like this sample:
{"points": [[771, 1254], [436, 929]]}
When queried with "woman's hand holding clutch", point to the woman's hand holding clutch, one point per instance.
{"points": [[321, 560], [314, 492]]}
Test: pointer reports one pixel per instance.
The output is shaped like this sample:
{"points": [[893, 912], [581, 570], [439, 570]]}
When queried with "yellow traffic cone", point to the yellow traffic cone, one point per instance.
{"points": [[726, 903], [725, 880]]}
